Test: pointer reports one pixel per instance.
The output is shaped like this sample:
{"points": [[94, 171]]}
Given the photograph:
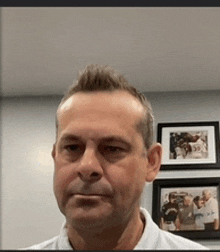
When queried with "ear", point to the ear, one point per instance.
{"points": [[53, 152], [154, 156]]}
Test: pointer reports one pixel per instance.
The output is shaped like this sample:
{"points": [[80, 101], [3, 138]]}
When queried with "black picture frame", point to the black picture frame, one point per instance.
{"points": [[207, 131], [179, 187]]}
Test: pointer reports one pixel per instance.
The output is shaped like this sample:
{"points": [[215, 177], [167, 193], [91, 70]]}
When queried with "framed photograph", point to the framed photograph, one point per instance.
{"points": [[187, 207], [193, 145]]}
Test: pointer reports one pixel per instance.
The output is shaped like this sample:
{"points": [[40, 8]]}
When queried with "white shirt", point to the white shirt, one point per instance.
{"points": [[211, 211], [152, 238], [199, 217], [198, 149]]}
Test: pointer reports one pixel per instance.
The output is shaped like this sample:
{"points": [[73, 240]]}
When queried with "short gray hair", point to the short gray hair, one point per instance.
{"points": [[104, 78]]}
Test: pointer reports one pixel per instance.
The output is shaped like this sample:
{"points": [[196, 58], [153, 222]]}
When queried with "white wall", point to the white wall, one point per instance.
{"points": [[29, 211], [185, 107]]}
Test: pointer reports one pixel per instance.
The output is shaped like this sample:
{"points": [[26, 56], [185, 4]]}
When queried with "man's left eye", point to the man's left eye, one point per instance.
{"points": [[113, 153], [113, 149]]}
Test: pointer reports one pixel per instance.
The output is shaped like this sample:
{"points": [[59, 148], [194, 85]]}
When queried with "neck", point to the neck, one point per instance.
{"points": [[121, 237]]}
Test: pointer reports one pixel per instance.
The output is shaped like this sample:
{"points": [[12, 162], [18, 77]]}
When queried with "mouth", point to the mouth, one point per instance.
{"points": [[81, 192], [88, 200], [90, 196]]}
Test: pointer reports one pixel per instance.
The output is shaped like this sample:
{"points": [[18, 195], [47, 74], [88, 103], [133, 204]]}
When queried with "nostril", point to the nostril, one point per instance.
{"points": [[89, 176], [95, 174]]}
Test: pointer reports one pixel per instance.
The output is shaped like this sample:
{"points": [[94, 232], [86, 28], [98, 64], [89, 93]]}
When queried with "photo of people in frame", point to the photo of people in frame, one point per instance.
{"points": [[189, 145], [189, 209]]}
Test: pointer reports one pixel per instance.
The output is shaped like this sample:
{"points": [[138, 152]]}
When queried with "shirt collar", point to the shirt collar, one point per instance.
{"points": [[146, 238]]}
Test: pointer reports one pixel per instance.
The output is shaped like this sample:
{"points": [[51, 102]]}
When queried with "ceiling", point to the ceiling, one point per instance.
{"points": [[156, 48]]}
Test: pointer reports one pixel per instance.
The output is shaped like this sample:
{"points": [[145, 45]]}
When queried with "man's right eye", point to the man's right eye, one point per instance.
{"points": [[72, 147]]}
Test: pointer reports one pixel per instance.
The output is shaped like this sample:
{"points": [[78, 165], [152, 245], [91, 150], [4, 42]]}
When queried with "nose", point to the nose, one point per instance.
{"points": [[90, 169]]}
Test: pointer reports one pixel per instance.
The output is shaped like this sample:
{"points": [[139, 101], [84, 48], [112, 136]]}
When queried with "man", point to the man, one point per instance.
{"points": [[211, 211], [194, 146], [186, 218], [199, 212], [173, 143], [169, 214], [103, 156], [180, 150]]}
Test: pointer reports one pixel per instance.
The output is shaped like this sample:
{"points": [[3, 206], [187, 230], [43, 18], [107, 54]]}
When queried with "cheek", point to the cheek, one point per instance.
{"points": [[135, 170], [128, 178], [63, 175]]}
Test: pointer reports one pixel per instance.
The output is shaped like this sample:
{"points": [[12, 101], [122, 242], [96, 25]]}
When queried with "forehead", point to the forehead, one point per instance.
{"points": [[114, 107], [206, 193], [187, 198], [117, 98]]}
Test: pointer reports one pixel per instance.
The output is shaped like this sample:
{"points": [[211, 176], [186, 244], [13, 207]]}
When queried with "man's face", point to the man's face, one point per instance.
{"points": [[206, 195], [200, 203], [187, 201], [172, 200], [100, 159]]}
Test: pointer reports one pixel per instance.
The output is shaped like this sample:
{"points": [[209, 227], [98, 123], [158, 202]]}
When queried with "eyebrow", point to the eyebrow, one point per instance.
{"points": [[69, 137], [108, 139]]}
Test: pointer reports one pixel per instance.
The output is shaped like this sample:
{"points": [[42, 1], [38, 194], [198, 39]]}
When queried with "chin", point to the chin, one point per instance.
{"points": [[81, 223], [88, 218]]}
